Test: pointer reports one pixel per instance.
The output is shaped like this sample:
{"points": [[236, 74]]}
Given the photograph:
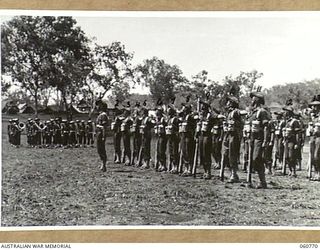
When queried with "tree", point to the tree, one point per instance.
{"points": [[301, 93], [200, 86], [240, 87], [160, 77], [121, 91], [23, 54], [39, 52], [111, 69], [5, 86]]}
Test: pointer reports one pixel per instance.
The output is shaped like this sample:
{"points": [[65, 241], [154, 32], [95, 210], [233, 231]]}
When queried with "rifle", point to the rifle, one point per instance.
{"points": [[223, 164], [196, 150], [284, 159], [310, 159], [249, 170], [180, 160]]}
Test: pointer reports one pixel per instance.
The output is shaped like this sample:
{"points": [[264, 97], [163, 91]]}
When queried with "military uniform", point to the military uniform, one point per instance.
{"points": [[291, 138], [57, 133], [125, 133], [72, 134], [217, 137], [259, 121], [16, 133], [187, 144], [278, 143], [37, 132], [82, 133], [313, 131], [203, 131], [29, 132], [172, 130], [90, 133], [301, 140], [116, 128], [102, 123], [232, 139], [136, 137], [161, 142], [145, 130], [65, 133], [267, 152], [10, 131]]}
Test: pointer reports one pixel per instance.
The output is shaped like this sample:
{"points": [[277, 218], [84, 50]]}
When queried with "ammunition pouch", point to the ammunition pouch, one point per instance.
{"points": [[256, 126], [159, 129], [205, 126]]}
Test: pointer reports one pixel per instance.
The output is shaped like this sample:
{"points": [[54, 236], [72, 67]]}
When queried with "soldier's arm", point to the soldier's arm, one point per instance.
{"points": [[265, 123]]}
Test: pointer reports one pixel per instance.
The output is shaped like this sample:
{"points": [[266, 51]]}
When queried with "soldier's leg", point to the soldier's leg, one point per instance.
{"points": [[316, 160], [202, 155], [102, 153], [147, 151], [140, 147], [234, 145], [163, 147], [258, 163], [117, 147], [207, 155], [127, 148], [175, 153]]}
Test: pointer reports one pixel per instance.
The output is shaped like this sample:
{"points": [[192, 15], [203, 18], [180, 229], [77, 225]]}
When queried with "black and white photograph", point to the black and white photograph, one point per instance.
{"points": [[188, 119]]}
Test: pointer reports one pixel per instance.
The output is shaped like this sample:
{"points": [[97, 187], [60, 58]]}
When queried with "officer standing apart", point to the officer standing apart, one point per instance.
{"points": [[102, 123]]}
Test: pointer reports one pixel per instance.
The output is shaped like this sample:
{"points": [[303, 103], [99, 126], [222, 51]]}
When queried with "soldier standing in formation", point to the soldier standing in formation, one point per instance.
{"points": [[172, 130], [232, 136], [90, 133], [279, 145], [188, 126], [145, 129], [116, 129], [314, 133], [136, 137], [161, 141], [125, 134], [259, 120], [205, 125]]}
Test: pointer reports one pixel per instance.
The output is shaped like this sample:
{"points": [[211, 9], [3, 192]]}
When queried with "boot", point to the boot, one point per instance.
{"points": [[234, 178], [262, 184]]}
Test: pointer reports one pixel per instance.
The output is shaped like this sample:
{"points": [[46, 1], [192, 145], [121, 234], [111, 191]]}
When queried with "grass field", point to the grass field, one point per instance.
{"points": [[57, 187]]}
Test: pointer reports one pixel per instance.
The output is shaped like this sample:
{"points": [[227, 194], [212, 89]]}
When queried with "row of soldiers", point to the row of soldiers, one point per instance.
{"points": [[193, 138], [52, 133]]}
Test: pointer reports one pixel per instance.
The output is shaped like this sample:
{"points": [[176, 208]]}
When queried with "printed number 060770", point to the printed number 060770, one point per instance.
{"points": [[308, 245]]}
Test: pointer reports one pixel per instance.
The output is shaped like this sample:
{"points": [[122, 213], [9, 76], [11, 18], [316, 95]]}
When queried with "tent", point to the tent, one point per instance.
{"points": [[26, 109], [9, 107]]}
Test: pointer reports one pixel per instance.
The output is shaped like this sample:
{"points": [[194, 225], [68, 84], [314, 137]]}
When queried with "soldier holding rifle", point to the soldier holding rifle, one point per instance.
{"points": [[278, 133], [204, 134], [161, 141], [187, 128], [232, 137], [314, 132], [136, 137], [291, 139]]}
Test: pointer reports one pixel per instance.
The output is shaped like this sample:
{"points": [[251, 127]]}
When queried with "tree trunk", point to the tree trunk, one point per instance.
{"points": [[36, 102]]}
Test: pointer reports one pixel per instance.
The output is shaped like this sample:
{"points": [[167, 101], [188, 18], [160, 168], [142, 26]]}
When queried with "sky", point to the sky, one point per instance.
{"points": [[284, 46]]}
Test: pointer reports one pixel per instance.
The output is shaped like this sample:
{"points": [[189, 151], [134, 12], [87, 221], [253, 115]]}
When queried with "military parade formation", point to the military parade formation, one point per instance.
{"points": [[52, 133], [190, 138]]}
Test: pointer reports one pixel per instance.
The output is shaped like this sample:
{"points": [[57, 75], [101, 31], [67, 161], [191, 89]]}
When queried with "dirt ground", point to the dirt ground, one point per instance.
{"points": [[59, 187]]}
